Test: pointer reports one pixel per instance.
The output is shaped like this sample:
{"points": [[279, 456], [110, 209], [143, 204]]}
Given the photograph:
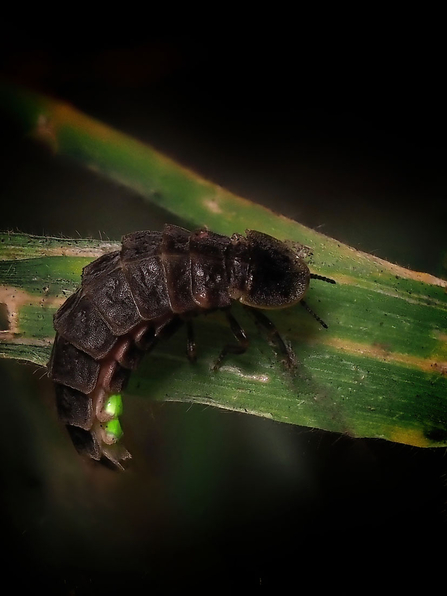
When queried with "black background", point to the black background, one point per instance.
{"points": [[345, 134]]}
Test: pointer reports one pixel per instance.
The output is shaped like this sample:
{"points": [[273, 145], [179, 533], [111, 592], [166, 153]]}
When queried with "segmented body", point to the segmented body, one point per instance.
{"points": [[129, 299]]}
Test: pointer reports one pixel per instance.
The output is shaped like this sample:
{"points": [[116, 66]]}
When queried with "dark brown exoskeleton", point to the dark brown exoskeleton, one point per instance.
{"points": [[132, 298]]}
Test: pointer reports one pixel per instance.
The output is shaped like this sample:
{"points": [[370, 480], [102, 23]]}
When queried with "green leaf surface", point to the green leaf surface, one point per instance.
{"points": [[380, 370]]}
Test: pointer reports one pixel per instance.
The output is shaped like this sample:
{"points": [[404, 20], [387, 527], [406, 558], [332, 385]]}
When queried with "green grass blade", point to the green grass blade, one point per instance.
{"points": [[380, 370]]}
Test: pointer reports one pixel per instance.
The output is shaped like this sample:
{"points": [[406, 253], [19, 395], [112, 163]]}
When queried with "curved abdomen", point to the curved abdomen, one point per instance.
{"points": [[126, 302]]}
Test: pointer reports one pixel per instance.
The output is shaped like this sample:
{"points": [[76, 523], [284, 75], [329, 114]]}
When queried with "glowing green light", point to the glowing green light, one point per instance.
{"points": [[114, 405], [113, 429]]}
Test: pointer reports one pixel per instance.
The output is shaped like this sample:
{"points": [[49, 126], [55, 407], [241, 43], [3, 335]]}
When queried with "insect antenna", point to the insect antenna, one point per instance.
{"points": [[311, 312], [322, 278]]}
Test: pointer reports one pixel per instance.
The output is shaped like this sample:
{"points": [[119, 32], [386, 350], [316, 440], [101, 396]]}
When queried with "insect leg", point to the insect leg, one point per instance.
{"points": [[241, 337], [167, 328], [190, 341], [273, 337], [311, 312]]}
